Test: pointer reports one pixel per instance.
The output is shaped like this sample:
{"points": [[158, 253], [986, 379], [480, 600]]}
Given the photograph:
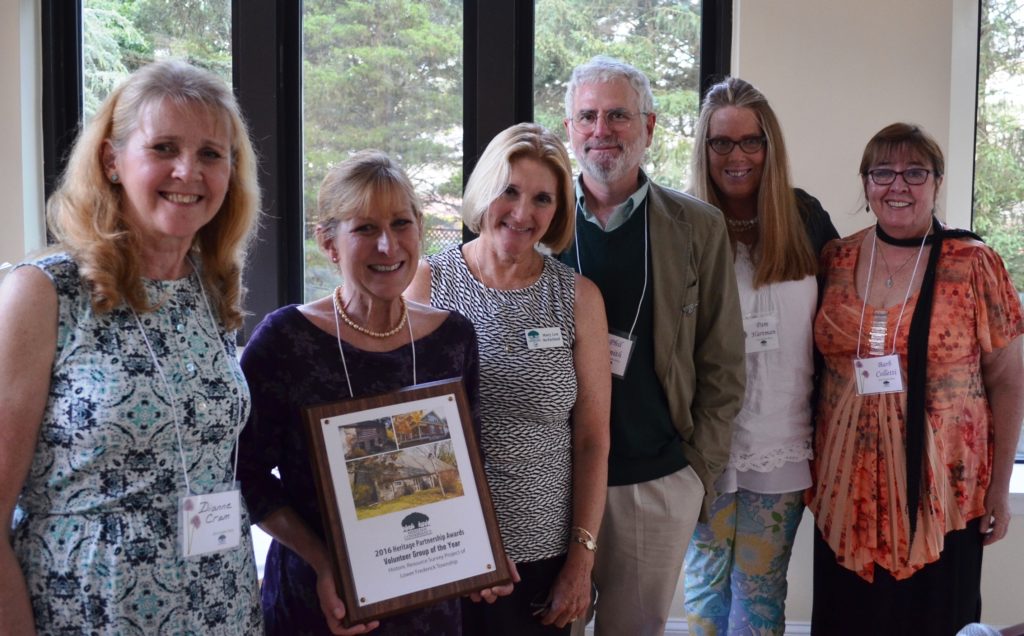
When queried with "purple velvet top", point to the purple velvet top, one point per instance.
{"points": [[289, 364]]}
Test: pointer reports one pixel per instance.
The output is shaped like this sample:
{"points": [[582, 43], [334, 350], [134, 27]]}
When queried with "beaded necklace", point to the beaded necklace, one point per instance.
{"points": [[741, 225], [340, 307]]}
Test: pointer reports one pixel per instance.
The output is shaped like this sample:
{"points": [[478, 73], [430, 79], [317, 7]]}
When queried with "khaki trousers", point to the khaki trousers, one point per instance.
{"points": [[644, 535]]}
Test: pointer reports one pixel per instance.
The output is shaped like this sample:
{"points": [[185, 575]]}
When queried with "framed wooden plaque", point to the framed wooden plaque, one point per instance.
{"points": [[406, 508]]}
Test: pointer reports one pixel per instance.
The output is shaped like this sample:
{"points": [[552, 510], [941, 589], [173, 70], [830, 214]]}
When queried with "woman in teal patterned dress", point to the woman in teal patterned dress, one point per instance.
{"points": [[121, 391]]}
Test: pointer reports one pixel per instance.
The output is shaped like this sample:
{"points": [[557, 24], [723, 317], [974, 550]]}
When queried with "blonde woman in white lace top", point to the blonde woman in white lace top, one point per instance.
{"points": [[736, 563]]}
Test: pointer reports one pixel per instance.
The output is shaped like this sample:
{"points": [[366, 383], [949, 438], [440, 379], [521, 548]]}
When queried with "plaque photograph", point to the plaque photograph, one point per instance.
{"points": [[407, 513]]}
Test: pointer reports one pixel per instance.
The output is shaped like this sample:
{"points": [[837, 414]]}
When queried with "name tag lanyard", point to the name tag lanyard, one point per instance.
{"points": [[225, 538], [621, 346], [866, 370]]}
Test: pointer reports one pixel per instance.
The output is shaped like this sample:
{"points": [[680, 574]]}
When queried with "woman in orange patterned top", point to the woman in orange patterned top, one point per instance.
{"points": [[920, 407]]}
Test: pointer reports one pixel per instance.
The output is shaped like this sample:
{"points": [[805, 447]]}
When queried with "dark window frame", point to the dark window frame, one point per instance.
{"points": [[62, 84], [267, 76], [716, 43]]}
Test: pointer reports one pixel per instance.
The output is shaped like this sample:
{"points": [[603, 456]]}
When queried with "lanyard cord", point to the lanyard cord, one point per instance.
{"points": [[341, 351], [867, 290], [170, 392], [643, 291], [763, 302], [238, 385], [170, 399]]}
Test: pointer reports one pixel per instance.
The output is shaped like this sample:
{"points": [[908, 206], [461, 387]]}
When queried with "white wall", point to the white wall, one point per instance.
{"points": [[11, 239], [20, 161], [837, 72], [20, 122]]}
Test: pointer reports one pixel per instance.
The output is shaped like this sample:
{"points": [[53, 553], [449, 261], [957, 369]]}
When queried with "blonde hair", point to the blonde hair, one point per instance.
{"points": [[357, 184], [784, 251], [86, 213], [493, 171]]}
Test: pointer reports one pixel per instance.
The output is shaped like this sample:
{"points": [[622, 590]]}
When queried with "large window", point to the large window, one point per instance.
{"points": [[662, 38], [119, 37], [999, 150], [384, 75], [429, 81]]}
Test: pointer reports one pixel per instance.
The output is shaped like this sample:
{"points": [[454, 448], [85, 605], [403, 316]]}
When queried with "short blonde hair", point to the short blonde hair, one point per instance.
{"points": [[359, 183], [86, 213], [493, 172]]}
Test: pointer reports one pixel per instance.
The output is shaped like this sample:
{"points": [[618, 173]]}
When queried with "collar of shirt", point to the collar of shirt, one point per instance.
{"points": [[621, 213]]}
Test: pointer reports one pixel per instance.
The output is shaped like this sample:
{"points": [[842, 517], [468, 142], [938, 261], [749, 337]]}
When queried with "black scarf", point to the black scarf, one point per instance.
{"points": [[917, 357]]}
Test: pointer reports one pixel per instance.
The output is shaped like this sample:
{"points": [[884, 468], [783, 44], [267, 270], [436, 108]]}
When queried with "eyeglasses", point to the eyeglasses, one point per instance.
{"points": [[724, 145], [911, 176], [616, 119]]}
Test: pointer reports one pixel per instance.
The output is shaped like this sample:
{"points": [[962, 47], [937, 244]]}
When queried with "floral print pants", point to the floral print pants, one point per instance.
{"points": [[736, 564]]}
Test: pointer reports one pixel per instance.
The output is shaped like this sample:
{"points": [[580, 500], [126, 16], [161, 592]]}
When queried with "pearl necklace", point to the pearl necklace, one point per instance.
{"points": [[340, 308], [741, 225]]}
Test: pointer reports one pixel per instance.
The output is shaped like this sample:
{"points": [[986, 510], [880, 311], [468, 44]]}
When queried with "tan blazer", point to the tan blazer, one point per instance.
{"points": [[699, 352]]}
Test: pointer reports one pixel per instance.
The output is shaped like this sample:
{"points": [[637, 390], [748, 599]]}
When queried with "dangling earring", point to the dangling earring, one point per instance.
{"points": [[114, 178], [867, 208]]}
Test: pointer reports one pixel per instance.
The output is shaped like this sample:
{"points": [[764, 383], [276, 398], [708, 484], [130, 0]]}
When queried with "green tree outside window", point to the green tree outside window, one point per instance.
{"points": [[660, 37]]}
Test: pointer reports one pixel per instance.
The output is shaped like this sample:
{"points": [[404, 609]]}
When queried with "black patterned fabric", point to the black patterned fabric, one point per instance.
{"points": [[95, 533], [526, 396]]}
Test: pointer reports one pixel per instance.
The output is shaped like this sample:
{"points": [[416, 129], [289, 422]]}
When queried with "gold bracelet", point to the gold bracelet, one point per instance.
{"points": [[584, 538]]}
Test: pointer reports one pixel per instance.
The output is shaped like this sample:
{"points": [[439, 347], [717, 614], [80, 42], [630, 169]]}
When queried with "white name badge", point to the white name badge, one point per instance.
{"points": [[543, 337], [762, 333], [209, 523], [878, 375], [621, 348]]}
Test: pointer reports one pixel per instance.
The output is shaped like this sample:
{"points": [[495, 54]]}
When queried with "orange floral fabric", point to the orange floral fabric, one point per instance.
{"points": [[859, 495]]}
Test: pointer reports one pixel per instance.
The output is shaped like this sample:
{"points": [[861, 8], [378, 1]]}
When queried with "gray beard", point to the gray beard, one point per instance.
{"points": [[621, 167]]}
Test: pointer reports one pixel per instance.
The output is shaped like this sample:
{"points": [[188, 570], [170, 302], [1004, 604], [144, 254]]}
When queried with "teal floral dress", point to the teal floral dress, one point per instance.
{"points": [[95, 527]]}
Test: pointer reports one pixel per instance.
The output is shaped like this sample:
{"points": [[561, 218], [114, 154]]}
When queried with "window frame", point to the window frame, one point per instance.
{"points": [[1017, 483], [267, 78], [61, 24]]}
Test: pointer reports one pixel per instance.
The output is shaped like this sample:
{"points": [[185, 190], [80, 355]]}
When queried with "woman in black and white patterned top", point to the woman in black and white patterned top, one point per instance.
{"points": [[544, 376]]}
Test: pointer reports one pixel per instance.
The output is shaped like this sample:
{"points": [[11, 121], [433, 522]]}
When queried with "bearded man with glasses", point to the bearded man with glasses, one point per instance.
{"points": [[663, 263]]}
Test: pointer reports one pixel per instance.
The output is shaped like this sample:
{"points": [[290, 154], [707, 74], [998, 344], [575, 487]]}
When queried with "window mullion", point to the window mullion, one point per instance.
{"points": [[267, 74]]}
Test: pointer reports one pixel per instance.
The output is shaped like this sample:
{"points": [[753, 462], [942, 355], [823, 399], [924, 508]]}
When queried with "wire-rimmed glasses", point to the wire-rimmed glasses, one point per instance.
{"points": [[617, 119]]}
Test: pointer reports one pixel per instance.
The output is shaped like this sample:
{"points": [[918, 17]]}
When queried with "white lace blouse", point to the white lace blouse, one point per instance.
{"points": [[771, 441]]}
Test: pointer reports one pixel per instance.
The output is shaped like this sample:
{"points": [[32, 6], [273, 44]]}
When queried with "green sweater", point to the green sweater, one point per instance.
{"points": [[645, 445]]}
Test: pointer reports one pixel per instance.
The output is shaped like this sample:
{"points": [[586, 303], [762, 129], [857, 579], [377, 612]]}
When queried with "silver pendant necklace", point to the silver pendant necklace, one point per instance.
{"points": [[892, 274]]}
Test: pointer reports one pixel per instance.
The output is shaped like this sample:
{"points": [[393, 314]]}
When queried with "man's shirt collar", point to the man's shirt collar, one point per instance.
{"points": [[622, 212]]}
